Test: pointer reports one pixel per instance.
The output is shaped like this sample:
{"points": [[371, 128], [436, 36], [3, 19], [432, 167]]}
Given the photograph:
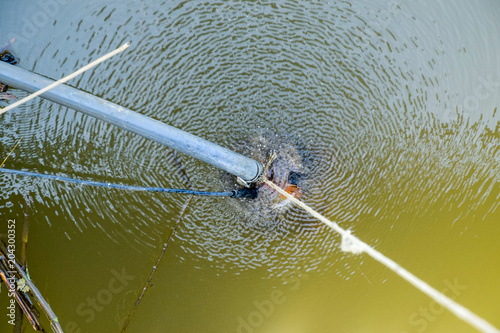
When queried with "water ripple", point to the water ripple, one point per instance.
{"points": [[364, 100]]}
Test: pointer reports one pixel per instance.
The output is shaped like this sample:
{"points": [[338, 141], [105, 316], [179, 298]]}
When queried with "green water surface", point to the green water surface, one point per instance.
{"points": [[394, 103]]}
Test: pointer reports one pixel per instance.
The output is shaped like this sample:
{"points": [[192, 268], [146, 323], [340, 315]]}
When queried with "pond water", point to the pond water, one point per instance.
{"points": [[393, 104]]}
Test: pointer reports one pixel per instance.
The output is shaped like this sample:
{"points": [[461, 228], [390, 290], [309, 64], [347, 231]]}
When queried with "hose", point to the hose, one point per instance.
{"points": [[243, 193]]}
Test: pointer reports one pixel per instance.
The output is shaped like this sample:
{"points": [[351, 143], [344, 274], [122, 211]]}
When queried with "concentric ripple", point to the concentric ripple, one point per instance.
{"points": [[366, 104]]}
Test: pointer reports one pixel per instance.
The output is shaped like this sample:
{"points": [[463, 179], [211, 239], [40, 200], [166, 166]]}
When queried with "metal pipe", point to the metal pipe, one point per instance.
{"points": [[247, 169]]}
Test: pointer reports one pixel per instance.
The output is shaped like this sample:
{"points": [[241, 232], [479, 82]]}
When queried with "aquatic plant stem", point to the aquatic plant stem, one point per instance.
{"points": [[7, 45], [7, 273], [54, 321], [10, 152], [148, 282], [67, 78], [357, 246], [22, 261]]}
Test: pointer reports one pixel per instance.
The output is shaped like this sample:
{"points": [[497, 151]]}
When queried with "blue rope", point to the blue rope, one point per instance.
{"points": [[118, 186]]}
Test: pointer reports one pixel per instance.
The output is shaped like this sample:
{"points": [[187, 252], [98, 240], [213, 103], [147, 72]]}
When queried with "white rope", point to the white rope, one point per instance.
{"points": [[65, 79], [353, 244]]}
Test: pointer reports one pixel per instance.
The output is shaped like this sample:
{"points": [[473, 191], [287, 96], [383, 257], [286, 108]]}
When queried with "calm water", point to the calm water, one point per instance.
{"points": [[394, 103]]}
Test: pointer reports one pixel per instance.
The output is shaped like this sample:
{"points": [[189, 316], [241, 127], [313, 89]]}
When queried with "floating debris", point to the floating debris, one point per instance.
{"points": [[5, 96], [21, 285], [9, 58]]}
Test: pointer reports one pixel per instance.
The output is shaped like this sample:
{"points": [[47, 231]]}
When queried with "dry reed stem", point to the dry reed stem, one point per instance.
{"points": [[67, 78]]}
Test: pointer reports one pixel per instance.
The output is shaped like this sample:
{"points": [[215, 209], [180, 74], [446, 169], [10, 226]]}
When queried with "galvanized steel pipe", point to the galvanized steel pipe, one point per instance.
{"points": [[222, 158]]}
